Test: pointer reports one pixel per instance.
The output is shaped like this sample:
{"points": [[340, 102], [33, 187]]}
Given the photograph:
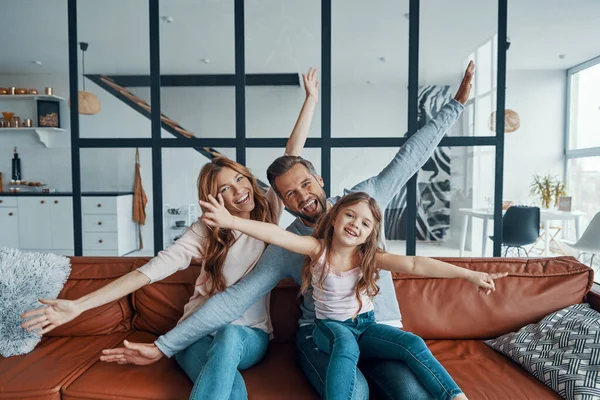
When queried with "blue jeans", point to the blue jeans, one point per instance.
{"points": [[214, 363], [346, 340], [389, 379]]}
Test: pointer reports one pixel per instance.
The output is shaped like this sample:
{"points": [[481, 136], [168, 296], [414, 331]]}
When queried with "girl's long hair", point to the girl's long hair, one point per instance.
{"points": [[367, 251], [220, 240]]}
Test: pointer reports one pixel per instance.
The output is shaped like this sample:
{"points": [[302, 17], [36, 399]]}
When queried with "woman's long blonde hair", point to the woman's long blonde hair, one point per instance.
{"points": [[367, 251], [220, 240]]}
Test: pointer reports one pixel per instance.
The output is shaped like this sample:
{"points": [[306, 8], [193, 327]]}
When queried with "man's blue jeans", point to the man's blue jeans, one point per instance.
{"points": [[214, 363], [346, 340]]}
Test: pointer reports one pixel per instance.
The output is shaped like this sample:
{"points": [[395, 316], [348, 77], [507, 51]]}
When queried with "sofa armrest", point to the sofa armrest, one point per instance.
{"points": [[593, 296]]}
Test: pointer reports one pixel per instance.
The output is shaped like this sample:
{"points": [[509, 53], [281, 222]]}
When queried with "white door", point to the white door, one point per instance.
{"points": [[61, 222], [9, 227], [34, 223]]}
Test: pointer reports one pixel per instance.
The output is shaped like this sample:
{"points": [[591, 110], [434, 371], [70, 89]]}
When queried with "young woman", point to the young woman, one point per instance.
{"points": [[213, 362], [343, 268]]}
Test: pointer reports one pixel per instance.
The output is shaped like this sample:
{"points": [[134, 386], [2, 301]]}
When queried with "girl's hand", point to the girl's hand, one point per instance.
{"points": [[485, 281], [56, 313], [311, 84], [215, 214]]}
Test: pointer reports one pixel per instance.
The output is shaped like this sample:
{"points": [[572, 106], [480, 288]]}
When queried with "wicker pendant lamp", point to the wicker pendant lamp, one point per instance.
{"points": [[89, 104], [512, 121]]}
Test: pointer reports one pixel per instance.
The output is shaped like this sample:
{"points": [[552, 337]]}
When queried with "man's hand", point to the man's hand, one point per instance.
{"points": [[462, 95], [133, 353], [311, 84]]}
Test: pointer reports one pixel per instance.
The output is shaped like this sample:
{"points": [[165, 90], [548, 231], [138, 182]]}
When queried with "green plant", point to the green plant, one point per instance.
{"points": [[547, 188]]}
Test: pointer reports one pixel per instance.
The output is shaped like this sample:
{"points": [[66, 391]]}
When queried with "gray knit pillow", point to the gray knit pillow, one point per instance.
{"points": [[25, 278]]}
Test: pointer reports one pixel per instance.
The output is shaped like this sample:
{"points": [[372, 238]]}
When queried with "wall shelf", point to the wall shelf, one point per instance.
{"points": [[44, 134], [30, 97]]}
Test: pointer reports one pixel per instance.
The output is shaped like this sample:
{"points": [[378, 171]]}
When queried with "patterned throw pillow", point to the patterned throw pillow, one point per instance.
{"points": [[562, 351]]}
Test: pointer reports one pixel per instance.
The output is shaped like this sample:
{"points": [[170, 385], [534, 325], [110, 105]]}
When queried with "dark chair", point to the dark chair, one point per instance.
{"points": [[520, 227]]}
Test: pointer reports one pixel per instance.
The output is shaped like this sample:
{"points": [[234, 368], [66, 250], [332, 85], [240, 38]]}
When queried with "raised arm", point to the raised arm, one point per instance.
{"points": [[60, 311], [417, 149], [297, 139], [425, 266], [219, 310], [216, 215]]}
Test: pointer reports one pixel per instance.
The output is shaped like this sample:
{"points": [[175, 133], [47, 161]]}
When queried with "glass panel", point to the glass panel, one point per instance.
{"points": [[104, 174], [259, 159], [350, 166], [585, 108], [281, 38], [455, 200], [443, 58], [583, 185], [197, 43], [181, 167], [119, 50], [369, 68]]}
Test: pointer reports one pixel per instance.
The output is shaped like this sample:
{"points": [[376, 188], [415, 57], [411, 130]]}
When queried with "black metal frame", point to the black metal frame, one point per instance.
{"points": [[240, 80]]}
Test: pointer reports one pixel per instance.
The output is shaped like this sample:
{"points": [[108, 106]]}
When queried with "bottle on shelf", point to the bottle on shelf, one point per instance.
{"points": [[16, 166]]}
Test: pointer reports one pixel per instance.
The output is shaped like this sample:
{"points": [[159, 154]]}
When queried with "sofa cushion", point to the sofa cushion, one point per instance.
{"points": [[455, 309], [89, 274], [562, 350], [160, 305], [55, 362], [483, 373], [166, 380], [161, 380]]}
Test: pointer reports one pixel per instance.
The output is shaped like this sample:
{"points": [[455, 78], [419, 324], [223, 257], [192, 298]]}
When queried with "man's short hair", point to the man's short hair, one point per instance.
{"points": [[282, 165]]}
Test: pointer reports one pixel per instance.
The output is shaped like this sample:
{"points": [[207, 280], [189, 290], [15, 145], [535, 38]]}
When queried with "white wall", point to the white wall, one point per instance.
{"points": [[537, 146]]}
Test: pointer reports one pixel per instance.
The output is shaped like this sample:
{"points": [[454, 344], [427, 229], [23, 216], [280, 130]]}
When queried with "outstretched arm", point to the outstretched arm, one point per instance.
{"points": [[297, 139], [216, 215], [425, 266], [219, 310], [417, 149]]}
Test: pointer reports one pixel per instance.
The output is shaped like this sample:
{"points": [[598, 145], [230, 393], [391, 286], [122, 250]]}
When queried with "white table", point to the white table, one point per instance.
{"points": [[546, 215]]}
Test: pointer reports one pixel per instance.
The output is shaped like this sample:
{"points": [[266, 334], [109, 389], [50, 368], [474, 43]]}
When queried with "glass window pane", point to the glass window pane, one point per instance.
{"points": [[114, 52], [282, 37], [198, 43], [443, 58], [369, 63], [455, 201], [585, 108], [583, 185], [113, 170]]}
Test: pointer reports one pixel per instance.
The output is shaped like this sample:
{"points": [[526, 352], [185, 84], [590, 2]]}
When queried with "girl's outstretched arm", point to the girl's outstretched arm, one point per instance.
{"points": [[216, 215], [425, 266]]}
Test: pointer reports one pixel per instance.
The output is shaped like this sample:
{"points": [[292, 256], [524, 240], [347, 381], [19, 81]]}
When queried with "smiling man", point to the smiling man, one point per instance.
{"points": [[301, 189]]}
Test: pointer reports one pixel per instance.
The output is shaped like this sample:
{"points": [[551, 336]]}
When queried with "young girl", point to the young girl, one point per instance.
{"points": [[342, 268], [214, 361]]}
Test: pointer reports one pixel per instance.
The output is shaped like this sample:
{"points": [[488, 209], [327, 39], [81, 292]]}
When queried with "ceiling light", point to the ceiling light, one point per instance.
{"points": [[205, 60], [88, 102], [383, 59], [562, 56], [37, 62], [167, 19]]}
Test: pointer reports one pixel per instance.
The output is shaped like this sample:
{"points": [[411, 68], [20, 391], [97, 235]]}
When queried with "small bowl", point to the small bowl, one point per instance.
{"points": [[20, 91], [32, 91], [4, 91]]}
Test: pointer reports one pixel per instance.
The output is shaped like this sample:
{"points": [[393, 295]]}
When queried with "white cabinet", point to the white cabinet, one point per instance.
{"points": [[46, 223], [9, 222], [108, 228], [34, 223]]}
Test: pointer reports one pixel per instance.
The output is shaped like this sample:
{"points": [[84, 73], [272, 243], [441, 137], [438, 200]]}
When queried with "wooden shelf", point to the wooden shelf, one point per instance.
{"points": [[29, 97], [44, 134]]}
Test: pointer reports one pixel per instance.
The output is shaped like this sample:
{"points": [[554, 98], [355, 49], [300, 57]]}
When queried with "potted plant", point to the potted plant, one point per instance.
{"points": [[548, 189]]}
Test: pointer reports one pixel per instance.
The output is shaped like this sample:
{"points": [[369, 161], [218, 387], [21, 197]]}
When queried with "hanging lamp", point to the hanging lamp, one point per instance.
{"points": [[89, 104]]}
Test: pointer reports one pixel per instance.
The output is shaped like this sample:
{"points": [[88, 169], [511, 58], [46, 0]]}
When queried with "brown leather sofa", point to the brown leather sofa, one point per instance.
{"points": [[450, 314]]}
